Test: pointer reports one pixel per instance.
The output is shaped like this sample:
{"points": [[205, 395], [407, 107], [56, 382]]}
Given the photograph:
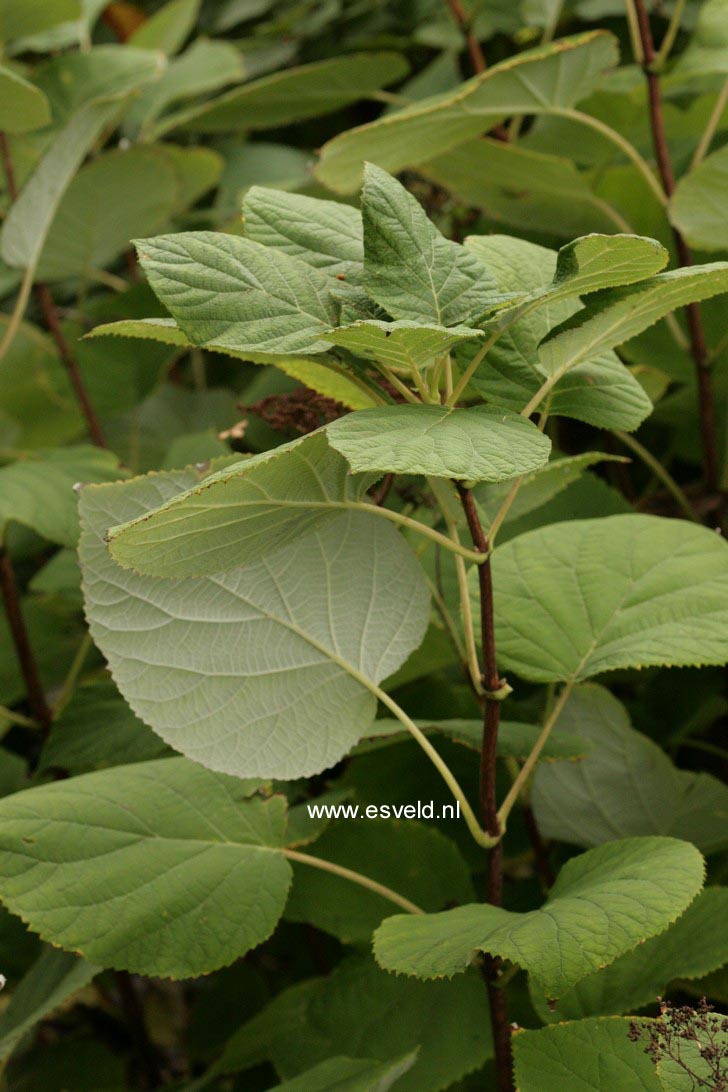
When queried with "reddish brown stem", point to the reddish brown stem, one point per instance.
{"points": [[698, 346], [475, 53], [488, 800], [16, 623], [52, 321]]}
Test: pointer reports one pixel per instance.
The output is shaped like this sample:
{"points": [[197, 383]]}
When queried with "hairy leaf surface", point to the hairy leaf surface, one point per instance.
{"points": [[267, 670]]}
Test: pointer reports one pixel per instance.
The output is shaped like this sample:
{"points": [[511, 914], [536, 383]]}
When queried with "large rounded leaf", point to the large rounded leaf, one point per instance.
{"points": [[268, 670], [161, 868], [578, 598]]}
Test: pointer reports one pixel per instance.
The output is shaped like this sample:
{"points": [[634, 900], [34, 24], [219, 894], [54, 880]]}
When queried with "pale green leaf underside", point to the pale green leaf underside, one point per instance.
{"points": [[53, 978], [400, 344], [585, 1056], [225, 290], [479, 443], [647, 794], [691, 948], [316, 374], [138, 867], [603, 904], [28, 221], [266, 670], [293, 94], [343, 1074], [325, 234], [535, 82], [38, 491], [409, 267], [23, 107], [616, 315], [243, 513], [514, 738], [578, 598]]}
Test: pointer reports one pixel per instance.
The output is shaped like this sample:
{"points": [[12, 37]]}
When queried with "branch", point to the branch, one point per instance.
{"points": [[23, 650], [493, 685], [475, 52], [698, 345]]}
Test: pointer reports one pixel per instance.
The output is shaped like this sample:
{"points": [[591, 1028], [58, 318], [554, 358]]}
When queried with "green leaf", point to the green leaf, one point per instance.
{"points": [[293, 95], [29, 219], [585, 1056], [204, 67], [227, 291], [409, 267], [243, 513], [33, 16], [603, 904], [706, 52], [321, 1017], [689, 949], [168, 27], [578, 598], [350, 1075], [696, 206], [514, 738], [539, 487], [435, 875], [400, 344], [594, 262], [141, 185], [600, 390], [325, 234], [522, 188], [23, 107], [77, 745], [643, 791], [295, 688], [317, 374], [616, 315], [479, 443], [53, 978], [137, 867], [38, 491], [538, 81]]}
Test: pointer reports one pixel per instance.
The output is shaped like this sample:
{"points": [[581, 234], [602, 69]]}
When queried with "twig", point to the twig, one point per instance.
{"points": [[698, 346], [52, 321], [494, 687], [475, 52], [709, 132], [659, 471], [353, 877], [28, 666]]}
